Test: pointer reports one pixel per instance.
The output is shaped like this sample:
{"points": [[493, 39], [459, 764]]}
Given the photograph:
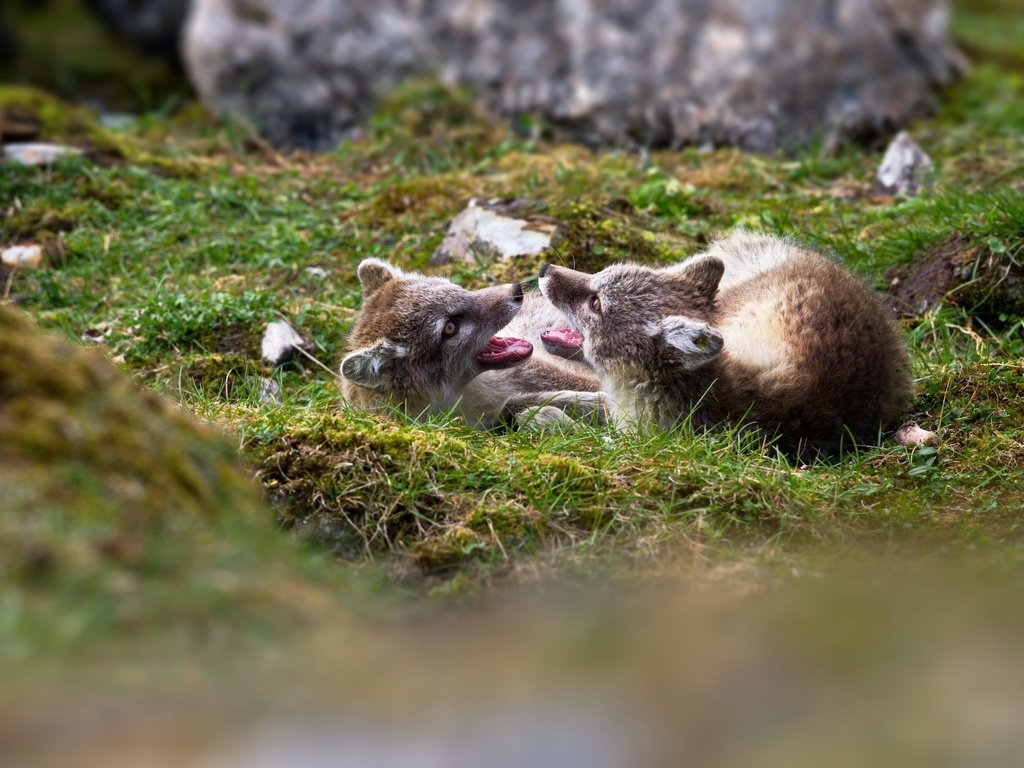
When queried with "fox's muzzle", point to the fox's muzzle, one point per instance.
{"points": [[565, 288]]}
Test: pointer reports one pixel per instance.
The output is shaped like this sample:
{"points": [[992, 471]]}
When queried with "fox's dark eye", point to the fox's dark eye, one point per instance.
{"points": [[450, 329], [595, 303]]}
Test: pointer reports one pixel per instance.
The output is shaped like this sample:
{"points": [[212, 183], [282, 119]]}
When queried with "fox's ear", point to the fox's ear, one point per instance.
{"points": [[695, 341], [373, 273], [371, 366], [703, 272]]}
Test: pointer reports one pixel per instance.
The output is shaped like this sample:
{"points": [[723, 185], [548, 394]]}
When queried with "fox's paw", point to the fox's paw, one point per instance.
{"points": [[543, 418]]}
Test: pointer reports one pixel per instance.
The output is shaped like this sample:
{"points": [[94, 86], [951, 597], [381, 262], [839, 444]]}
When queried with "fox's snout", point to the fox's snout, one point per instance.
{"points": [[564, 287], [508, 291], [508, 297]]}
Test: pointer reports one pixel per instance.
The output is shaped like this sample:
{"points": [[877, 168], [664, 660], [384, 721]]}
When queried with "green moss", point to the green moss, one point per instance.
{"points": [[57, 120], [594, 233], [364, 484], [79, 127], [427, 109], [431, 200], [42, 220]]}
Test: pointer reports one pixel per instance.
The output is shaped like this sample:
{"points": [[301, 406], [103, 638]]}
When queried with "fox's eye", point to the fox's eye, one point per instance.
{"points": [[595, 303], [450, 328]]}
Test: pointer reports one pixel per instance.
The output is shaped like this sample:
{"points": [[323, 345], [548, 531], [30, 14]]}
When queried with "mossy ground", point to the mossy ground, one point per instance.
{"points": [[181, 237]]}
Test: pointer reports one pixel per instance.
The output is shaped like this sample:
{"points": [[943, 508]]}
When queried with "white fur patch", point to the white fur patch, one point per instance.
{"points": [[623, 406], [757, 336]]}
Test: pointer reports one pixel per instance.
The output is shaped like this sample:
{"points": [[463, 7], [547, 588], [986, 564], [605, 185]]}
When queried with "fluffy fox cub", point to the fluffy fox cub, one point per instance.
{"points": [[427, 346], [755, 331]]}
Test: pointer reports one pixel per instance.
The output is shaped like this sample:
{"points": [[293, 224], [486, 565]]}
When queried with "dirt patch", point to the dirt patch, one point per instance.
{"points": [[961, 274], [923, 285]]}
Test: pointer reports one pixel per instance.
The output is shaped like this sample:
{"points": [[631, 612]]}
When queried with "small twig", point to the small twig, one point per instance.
{"points": [[315, 360], [10, 282]]}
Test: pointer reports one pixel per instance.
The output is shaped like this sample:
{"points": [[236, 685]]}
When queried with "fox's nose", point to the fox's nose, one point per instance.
{"points": [[544, 269], [517, 292]]}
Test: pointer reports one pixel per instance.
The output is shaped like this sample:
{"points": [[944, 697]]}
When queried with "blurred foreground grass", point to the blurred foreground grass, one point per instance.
{"points": [[862, 661]]}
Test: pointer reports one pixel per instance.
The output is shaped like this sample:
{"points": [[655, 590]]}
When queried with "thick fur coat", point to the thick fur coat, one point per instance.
{"points": [[755, 331], [426, 345]]}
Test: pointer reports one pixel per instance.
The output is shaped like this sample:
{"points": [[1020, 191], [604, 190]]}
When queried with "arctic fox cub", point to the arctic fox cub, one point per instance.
{"points": [[426, 345], [756, 330]]}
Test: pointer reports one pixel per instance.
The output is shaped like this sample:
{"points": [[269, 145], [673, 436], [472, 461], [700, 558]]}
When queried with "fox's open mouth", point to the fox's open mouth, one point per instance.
{"points": [[504, 350], [564, 338]]}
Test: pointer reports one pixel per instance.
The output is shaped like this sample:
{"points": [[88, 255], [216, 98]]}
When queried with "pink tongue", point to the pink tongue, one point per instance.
{"points": [[504, 349], [563, 337]]}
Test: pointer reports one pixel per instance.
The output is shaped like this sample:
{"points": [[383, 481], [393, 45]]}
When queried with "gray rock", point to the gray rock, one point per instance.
{"points": [[18, 256], [487, 231], [905, 169], [97, 334], [759, 75], [912, 435], [269, 391], [280, 342]]}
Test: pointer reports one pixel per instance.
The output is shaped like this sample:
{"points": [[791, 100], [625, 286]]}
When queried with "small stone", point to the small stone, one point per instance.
{"points": [[905, 169], [486, 232], [20, 256], [318, 272], [280, 342], [97, 334], [36, 153], [269, 391], [912, 436]]}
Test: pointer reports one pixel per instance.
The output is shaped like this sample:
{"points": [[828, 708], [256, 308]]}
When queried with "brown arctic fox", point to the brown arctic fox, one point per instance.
{"points": [[756, 331], [426, 345]]}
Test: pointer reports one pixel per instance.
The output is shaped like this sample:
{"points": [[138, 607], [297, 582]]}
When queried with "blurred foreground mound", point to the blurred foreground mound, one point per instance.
{"points": [[762, 75], [118, 509]]}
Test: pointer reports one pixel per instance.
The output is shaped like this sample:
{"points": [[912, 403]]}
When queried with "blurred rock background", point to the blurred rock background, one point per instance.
{"points": [[652, 73]]}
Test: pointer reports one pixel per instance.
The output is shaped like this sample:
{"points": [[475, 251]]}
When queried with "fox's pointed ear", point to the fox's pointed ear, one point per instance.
{"points": [[695, 341], [371, 366], [373, 273], [703, 272]]}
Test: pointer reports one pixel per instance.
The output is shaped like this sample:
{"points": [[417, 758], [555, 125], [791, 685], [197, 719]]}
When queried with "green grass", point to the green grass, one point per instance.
{"points": [[182, 238]]}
